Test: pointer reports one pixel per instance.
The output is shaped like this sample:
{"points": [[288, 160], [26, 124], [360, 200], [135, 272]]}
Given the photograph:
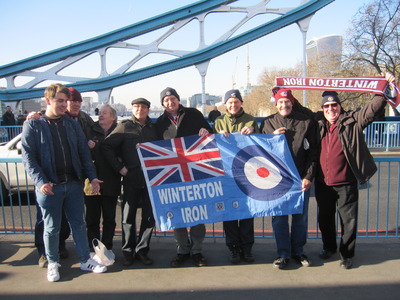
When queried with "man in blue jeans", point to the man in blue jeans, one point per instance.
{"points": [[57, 158], [301, 135]]}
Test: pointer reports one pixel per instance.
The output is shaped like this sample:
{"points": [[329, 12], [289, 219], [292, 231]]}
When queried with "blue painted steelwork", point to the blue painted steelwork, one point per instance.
{"points": [[379, 204], [193, 58], [112, 37]]}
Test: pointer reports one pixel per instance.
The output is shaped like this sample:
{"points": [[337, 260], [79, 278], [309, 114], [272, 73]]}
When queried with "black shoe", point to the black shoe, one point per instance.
{"points": [[144, 258], [302, 260], [346, 263], [234, 256], [128, 260], [199, 260], [325, 254], [248, 257], [178, 260], [63, 252], [280, 263]]}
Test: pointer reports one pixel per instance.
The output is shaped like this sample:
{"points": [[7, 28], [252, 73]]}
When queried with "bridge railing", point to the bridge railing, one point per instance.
{"points": [[383, 135], [379, 205], [7, 133]]}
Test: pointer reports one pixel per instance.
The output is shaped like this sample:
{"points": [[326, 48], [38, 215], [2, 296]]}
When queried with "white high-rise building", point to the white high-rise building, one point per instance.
{"points": [[327, 47]]}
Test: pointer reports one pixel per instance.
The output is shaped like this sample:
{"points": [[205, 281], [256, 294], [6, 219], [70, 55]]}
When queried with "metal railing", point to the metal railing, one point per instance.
{"points": [[7, 133], [381, 135], [379, 205]]}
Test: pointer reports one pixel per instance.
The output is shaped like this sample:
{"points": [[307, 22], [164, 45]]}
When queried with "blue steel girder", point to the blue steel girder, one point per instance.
{"points": [[199, 56]]}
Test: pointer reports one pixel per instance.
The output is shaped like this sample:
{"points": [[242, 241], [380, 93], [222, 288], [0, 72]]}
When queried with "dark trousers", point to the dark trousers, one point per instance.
{"points": [[131, 243], [96, 207], [239, 234], [65, 231], [344, 198]]}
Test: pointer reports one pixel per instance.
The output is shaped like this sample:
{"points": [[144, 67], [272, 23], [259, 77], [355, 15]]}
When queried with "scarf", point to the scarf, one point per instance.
{"points": [[376, 85]]}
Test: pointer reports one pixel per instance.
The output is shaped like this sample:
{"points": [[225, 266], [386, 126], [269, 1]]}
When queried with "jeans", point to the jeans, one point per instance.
{"points": [[65, 231], [291, 243], [67, 197]]}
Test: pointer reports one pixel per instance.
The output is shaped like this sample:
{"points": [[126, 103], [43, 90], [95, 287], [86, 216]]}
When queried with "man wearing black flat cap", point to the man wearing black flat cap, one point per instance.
{"points": [[179, 121], [119, 148]]}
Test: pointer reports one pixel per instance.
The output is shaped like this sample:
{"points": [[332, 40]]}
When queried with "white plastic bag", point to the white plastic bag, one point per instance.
{"points": [[103, 255]]}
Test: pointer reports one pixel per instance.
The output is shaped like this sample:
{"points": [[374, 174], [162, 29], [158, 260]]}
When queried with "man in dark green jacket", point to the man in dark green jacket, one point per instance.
{"points": [[239, 233]]}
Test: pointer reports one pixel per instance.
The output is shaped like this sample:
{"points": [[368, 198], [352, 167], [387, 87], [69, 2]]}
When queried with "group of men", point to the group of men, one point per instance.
{"points": [[63, 152]]}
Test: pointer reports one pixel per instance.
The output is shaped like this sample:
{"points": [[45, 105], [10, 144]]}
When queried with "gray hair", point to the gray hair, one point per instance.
{"points": [[113, 112]]}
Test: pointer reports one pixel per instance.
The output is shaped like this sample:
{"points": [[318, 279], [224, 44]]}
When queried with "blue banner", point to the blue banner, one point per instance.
{"points": [[196, 180]]}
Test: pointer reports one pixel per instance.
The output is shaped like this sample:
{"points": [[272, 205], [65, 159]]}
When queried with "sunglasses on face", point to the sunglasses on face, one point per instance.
{"points": [[333, 105]]}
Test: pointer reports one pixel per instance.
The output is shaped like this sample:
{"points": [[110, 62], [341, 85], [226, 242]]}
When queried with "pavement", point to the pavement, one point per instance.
{"points": [[375, 274]]}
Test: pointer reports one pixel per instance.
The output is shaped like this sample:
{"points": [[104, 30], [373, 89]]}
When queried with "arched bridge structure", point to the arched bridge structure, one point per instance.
{"points": [[38, 70]]}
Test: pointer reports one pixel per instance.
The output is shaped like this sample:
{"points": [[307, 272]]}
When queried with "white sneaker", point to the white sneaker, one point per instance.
{"points": [[93, 266], [52, 272]]}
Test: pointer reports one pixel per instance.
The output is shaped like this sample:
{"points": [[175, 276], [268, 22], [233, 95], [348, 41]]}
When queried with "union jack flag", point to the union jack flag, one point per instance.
{"points": [[181, 159]]}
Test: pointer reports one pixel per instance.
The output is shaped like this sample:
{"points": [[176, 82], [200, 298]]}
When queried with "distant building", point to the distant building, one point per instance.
{"points": [[87, 105], [327, 48], [196, 100], [245, 91], [31, 105]]}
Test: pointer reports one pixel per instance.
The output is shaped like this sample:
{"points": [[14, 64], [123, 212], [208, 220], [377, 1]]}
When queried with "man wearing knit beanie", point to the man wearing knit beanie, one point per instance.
{"points": [[284, 93], [180, 121], [300, 133], [239, 233], [74, 111], [233, 94], [344, 162], [168, 92]]}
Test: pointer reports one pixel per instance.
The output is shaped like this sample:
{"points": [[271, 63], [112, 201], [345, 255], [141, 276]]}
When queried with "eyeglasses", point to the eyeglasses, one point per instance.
{"points": [[333, 105]]}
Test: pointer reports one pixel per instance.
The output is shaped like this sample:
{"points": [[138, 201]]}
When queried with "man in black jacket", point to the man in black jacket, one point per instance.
{"points": [[179, 121], [119, 148], [301, 135], [8, 117], [103, 205]]}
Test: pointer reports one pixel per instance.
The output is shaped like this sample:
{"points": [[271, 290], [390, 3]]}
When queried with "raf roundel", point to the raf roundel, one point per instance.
{"points": [[261, 175]]}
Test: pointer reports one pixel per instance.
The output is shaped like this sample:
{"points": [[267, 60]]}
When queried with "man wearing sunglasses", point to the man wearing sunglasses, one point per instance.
{"points": [[344, 161]]}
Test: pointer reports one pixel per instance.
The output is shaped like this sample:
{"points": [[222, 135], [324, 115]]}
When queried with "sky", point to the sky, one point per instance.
{"points": [[29, 28]]}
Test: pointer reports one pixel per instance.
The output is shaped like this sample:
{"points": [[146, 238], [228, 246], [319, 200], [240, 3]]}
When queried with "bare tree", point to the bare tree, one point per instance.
{"points": [[372, 46], [374, 37]]}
